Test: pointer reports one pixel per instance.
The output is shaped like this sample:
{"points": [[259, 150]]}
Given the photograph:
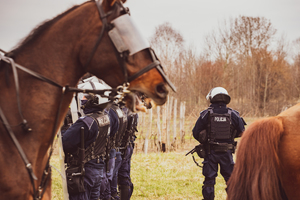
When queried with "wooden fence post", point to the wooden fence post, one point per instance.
{"points": [[169, 114], [174, 125], [182, 114], [164, 128], [143, 129], [149, 130], [158, 129]]}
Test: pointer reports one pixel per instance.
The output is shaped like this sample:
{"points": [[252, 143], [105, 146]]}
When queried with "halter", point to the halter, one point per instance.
{"points": [[38, 194]]}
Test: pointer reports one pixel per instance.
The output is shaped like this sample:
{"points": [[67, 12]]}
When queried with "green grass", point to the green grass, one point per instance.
{"points": [[56, 188], [159, 176]]}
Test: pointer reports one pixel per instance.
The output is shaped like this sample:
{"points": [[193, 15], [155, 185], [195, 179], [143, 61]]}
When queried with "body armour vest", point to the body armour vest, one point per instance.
{"points": [[122, 126], [220, 125], [130, 130], [97, 148]]}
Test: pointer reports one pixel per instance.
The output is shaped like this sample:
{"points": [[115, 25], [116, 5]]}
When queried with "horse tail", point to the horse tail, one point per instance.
{"points": [[255, 175]]}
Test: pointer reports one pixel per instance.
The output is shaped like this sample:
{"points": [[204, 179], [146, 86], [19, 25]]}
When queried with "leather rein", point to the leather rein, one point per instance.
{"points": [[38, 193]]}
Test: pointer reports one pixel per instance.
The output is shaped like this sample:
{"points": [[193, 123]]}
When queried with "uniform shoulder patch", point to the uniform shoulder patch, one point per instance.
{"points": [[203, 113], [88, 121], [235, 112]]}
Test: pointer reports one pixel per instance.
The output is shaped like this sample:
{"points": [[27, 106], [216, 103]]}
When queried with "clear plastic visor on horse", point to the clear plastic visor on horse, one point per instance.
{"points": [[126, 36]]}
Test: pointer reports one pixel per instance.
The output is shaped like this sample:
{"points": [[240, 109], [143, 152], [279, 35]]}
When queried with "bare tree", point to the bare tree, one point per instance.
{"points": [[167, 42], [251, 33], [241, 56], [296, 66]]}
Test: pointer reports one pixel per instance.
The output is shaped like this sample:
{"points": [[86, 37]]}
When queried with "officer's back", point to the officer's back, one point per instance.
{"points": [[216, 129]]}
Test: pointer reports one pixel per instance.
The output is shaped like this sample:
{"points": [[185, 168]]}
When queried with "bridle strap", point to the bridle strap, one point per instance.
{"points": [[15, 74], [144, 70], [19, 148], [35, 74], [104, 25], [122, 56]]}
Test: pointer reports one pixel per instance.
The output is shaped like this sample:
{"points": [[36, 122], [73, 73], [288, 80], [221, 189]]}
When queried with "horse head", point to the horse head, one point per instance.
{"points": [[121, 55]]}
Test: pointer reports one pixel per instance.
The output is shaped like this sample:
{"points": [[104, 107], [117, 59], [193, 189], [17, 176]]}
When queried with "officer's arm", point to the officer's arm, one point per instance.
{"points": [[239, 124], [71, 138], [199, 126]]}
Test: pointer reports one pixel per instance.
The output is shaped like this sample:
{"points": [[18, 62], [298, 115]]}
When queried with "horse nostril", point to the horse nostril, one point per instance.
{"points": [[161, 90]]}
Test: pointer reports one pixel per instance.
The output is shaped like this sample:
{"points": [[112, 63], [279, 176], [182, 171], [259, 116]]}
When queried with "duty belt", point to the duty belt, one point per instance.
{"points": [[222, 147]]}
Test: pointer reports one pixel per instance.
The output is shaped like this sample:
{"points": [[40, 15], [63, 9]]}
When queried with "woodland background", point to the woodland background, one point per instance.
{"points": [[259, 69]]}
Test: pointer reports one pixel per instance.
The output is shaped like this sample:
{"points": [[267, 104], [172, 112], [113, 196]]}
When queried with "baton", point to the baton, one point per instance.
{"points": [[82, 149]]}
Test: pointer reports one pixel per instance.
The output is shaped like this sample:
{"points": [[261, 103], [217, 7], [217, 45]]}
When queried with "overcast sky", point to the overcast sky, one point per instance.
{"points": [[192, 18]]}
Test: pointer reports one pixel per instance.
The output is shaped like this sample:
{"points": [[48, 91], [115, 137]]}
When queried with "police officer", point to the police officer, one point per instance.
{"points": [[127, 146], [216, 129], [125, 185], [112, 158], [122, 112], [90, 133]]}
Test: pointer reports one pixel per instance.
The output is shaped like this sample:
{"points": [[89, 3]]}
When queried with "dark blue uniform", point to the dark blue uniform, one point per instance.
{"points": [[109, 164], [114, 181], [124, 179], [212, 160], [93, 168], [108, 175], [118, 160]]}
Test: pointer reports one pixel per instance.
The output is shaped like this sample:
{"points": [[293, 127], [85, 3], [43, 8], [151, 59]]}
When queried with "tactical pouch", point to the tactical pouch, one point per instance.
{"points": [[203, 136], [234, 146], [75, 180], [200, 150]]}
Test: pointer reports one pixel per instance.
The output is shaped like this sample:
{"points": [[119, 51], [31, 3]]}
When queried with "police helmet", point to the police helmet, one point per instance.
{"points": [[218, 94], [94, 99]]}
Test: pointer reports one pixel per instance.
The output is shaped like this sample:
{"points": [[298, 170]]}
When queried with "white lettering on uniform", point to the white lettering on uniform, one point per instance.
{"points": [[220, 119]]}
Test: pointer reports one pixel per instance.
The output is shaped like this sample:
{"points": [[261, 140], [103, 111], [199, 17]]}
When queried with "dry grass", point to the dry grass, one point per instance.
{"points": [[158, 176]]}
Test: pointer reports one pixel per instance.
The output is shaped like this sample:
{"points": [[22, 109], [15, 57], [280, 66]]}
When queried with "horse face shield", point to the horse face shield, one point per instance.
{"points": [[127, 38]]}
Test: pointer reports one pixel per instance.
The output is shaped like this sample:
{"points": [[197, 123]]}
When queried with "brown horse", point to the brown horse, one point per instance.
{"points": [[268, 160], [62, 50]]}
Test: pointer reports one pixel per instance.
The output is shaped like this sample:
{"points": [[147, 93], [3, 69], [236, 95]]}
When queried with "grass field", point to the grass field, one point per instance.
{"points": [[158, 176]]}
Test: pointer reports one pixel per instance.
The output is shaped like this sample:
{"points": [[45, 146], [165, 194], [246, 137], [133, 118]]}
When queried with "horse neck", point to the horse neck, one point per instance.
{"points": [[54, 54]]}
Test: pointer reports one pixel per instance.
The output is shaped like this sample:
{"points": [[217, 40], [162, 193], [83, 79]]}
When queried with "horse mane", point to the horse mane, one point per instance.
{"points": [[36, 32], [255, 172]]}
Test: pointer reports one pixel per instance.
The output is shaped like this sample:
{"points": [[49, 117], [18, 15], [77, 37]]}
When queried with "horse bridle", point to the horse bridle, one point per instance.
{"points": [[122, 57], [38, 194]]}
